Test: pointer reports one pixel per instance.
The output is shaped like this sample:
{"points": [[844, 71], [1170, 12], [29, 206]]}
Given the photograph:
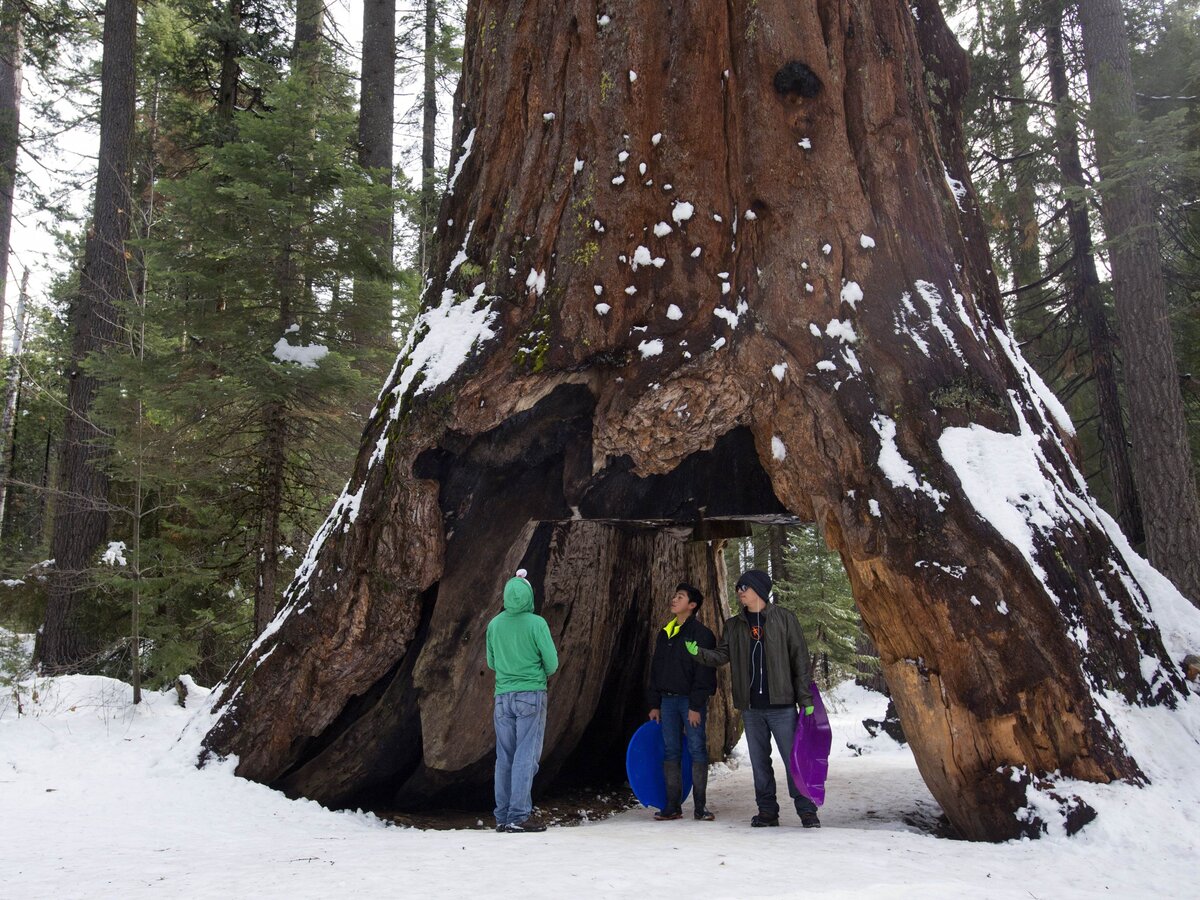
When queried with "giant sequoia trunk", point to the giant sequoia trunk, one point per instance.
{"points": [[703, 262]]}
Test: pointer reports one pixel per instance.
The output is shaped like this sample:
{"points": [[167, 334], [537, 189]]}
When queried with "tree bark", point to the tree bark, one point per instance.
{"points": [[12, 384], [372, 308], [10, 136], [1163, 470], [429, 136], [310, 30], [231, 71], [1088, 298], [857, 350], [81, 514]]}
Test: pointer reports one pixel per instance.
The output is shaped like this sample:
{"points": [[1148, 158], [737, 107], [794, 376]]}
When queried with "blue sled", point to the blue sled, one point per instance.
{"points": [[644, 766]]}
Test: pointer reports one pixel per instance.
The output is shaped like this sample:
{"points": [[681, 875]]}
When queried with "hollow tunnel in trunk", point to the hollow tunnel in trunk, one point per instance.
{"points": [[602, 561]]}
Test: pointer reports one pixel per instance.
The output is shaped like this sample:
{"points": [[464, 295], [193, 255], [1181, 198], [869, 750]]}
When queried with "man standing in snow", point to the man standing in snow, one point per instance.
{"points": [[678, 697], [770, 673], [521, 653]]}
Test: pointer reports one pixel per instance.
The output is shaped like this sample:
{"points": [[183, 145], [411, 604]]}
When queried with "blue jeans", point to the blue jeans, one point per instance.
{"points": [[761, 725], [673, 713], [520, 720]]}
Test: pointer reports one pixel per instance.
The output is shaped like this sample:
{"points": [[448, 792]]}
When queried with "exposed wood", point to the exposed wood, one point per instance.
{"points": [[803, 138]]}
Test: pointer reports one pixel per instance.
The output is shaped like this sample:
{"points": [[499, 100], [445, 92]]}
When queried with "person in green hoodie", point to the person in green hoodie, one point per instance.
{"points": [[521, 653]]}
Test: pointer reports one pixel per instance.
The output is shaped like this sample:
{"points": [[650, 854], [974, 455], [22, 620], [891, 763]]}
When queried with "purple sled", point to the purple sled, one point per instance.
{"points": [[809, 762]]}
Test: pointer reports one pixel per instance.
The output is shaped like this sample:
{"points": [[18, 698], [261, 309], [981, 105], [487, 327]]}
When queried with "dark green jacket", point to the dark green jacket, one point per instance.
{"points": [[787, 658]]}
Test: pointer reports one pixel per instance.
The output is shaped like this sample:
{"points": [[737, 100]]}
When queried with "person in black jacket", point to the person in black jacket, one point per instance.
{"points": [[770, 668], [678, 697]]}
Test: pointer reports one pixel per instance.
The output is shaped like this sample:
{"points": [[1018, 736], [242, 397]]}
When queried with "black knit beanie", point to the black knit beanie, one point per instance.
{"points": [[757, 580]]}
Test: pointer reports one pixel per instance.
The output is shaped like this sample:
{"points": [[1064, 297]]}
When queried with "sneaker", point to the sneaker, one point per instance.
{"points": [[668, 815], [500, 828], [522, 827], [762, 820], [703, 815], [810, 820]]}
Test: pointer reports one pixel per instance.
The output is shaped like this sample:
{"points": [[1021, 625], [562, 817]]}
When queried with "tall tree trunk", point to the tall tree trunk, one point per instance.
{"points": [[266, 593], [10, 136], [777, 543], [81, 514], [1022, 233], [11, 389], [310, 30], [227, 88], [1086, 294], [372, 308], [583, 432], [429, 136], [1163, 467], [292, 292]]}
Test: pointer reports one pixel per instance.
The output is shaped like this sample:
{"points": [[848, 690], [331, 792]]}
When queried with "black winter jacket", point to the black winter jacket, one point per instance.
{"points": [[674, 671]]}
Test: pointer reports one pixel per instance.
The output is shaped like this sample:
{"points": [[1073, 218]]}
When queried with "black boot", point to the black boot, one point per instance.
{"points": [[674, 778], [700, 791]]}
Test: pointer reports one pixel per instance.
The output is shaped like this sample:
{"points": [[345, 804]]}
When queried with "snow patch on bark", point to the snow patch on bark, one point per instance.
{"points": [[840, 329], [1034, 381], [448, 333], [933, 299], [957, 188], [682, 211], [462, 158], [896, 468]]}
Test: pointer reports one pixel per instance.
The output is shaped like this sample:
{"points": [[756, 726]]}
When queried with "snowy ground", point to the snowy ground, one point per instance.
{"points": [[99, 800]]}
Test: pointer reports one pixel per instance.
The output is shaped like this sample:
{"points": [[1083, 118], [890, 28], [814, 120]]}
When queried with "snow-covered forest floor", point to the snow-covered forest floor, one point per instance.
{"points": [[101, 799]]}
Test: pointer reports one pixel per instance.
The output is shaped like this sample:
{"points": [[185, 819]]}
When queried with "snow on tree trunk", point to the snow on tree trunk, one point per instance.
{"points": [[702, 263]]}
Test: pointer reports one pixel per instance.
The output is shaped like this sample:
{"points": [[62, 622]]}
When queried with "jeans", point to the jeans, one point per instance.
{"points": [[520, 720], [673, 713], [761, 725]]}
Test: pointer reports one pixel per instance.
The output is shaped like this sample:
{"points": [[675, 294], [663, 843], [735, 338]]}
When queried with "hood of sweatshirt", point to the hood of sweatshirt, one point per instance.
{"points": [[518, 596]]}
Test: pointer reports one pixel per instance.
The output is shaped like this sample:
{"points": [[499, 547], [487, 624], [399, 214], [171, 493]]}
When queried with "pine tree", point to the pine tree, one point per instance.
{"points": [[275, 432], [816, 589]]}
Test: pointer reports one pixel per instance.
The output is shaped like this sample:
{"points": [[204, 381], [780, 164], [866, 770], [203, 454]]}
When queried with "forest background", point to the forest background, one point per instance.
{"points": [[226, 305]]}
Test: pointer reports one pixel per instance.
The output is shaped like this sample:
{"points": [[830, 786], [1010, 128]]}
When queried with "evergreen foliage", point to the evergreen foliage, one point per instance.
{"points": [[810, 580]]}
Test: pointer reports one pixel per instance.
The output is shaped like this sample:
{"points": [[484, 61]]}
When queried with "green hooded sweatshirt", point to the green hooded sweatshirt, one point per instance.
{"points": [[519, 648]]}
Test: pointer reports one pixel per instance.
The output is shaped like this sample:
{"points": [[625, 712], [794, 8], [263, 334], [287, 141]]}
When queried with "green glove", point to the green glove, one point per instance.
{"points": [[808, 710], [692, 647]]}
